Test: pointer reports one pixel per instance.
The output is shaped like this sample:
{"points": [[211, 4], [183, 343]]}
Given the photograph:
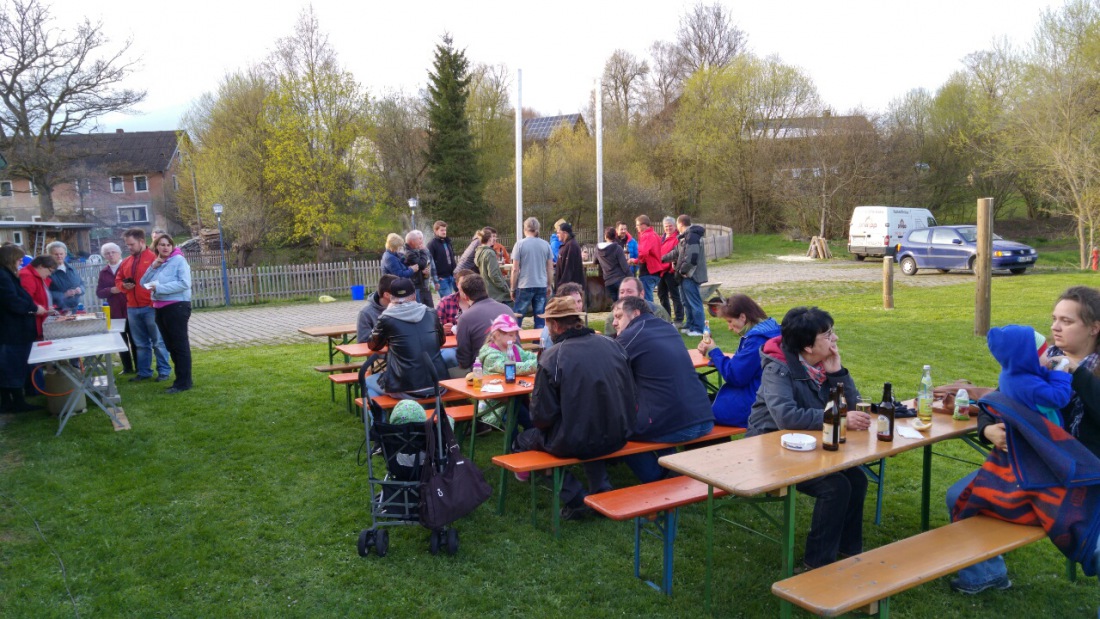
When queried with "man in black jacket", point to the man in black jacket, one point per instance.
{"points": [[443, 259], [416, 253], [570, 265], [583, 404], [410, 330], [673, 406]]}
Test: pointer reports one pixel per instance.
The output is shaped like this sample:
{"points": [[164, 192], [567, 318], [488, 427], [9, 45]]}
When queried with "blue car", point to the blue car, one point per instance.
{"points": [[955, 247]]}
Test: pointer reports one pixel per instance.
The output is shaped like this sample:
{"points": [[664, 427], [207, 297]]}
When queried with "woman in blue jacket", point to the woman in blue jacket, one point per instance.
{"points": [[169, 282], [393, 260], [741, 372]]}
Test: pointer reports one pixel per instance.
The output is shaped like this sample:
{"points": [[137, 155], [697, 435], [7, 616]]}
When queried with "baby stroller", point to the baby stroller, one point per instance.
{"points": [[395, 498]]}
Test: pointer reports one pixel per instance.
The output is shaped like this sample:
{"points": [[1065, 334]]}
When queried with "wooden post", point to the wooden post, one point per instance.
{"points": [[888, 282], [983, 267]]}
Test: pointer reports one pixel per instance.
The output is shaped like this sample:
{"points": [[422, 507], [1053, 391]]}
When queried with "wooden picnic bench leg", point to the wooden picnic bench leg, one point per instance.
{"points": [[555, 503], [668, 527], [926, 487], [710, 547], [787, 542], [880, 479]]}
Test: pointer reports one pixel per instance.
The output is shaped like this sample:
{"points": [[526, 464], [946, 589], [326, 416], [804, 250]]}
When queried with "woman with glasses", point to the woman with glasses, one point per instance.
{"points": [[800, 366], [66, 287], [116, 299]]}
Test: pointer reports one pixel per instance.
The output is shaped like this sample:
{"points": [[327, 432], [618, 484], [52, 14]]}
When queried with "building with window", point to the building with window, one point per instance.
{"points": [[114, 181]]}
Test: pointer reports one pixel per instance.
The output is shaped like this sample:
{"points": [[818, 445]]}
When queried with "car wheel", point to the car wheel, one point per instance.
{"points": [[1017, 271], [908, 265], [859, 257], [970, 264]]}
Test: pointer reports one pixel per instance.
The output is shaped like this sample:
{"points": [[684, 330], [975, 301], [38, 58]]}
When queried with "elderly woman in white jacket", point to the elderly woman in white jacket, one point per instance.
{"points": [[169, 282]]}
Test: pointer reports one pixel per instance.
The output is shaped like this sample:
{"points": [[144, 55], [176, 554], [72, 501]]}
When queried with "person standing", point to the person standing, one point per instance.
{"points": [[417, 254], [168, 279], [17, 331], [668, 289], [613, 262], [393, 259], [66, 287], [443, 259], [570, 266], [140, 317], [35, 279], [649, 256], [488, 265], [466, 260], [555, 240], [532, 272], [689, 261], [110, 293], [628, 243]]}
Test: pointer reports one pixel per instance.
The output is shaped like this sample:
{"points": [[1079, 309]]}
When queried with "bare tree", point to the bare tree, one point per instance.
{"points": [[54, 82], [665, 81], [623, 74], [708, 38]]}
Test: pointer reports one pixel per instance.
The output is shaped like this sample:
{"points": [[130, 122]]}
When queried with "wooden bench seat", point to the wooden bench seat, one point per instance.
{"points": [[349, 380], [339, 367], [656, 501], [388, 402], [866, 579]]}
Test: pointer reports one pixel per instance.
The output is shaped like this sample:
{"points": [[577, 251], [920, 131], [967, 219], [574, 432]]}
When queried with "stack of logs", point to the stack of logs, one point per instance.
{"points": [[819, 249], [211, 240]]}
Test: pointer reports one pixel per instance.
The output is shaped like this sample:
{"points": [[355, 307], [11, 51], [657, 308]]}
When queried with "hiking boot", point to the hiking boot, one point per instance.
{"points": [[973, 589], [576, 513]]}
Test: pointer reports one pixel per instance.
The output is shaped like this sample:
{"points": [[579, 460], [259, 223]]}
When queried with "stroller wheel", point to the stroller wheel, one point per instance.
{"points": [[452, 541], [382, 542], [366, 540], [434, 541]]}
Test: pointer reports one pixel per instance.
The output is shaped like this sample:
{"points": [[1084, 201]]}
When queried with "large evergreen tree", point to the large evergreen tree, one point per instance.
{"points": [[453, 181]]}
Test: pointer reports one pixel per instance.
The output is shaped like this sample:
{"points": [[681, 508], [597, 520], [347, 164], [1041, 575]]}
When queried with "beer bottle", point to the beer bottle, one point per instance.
{"points": [[842, 410], [830, 423], [885, 429]]}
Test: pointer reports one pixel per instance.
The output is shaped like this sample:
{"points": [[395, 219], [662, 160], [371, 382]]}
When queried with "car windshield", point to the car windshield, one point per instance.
{"points": [[970, 234]]}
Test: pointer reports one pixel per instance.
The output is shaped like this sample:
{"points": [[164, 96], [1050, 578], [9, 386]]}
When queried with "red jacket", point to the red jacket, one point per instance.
{"points": [[135, 267], [649, 252], [668, 244], [38, 289]]}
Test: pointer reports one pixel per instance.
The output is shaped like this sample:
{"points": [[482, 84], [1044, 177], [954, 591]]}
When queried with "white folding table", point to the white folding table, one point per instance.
{"points": [[94, 378]]}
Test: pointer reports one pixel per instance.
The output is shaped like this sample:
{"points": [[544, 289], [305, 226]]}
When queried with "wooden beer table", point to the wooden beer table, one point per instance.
{"points": [[524, 385], [360, 349], [331, 333], [758, 465]]}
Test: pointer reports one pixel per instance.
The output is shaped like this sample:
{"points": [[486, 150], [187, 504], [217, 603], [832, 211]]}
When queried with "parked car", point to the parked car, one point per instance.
{"points": [[955, 247], [876, 229]]}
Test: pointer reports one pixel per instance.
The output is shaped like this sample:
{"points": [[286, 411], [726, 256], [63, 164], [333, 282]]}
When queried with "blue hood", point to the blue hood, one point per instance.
{"points": [[1013, 346]]}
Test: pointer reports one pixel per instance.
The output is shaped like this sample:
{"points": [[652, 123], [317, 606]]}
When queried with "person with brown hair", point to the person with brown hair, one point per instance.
{"points": [[17, 331], [488, 265], [140, 317], [570, 264], [35, 279], [474, 322], [612, 260], [168, 280], [741, 372]]}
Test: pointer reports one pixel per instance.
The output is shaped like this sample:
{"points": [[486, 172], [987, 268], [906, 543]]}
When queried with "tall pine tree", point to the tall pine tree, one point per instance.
{"points": [[453, 181]]}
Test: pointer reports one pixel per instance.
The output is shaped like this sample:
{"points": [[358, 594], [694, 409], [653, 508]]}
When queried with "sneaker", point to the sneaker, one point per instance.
{"points": [[576, 513], [1000, 583], [161, 379], [695, 334], [683, 330], [524, 476], [138, 379], [176, 389]]}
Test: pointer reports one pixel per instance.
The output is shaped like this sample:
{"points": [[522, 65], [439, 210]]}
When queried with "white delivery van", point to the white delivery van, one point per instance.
{"points": [[876, 229]]}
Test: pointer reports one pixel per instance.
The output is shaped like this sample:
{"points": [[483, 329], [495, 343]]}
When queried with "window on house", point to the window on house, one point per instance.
{"points": [[36, 218], [116, 185], [9, 217], [137, 214], [17, 237], [175, 182], [141, 183], [34, 188], [5, 189]]}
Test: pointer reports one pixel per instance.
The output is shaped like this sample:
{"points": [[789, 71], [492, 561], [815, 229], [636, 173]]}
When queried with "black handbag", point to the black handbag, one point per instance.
{"points": [[451, 485]]}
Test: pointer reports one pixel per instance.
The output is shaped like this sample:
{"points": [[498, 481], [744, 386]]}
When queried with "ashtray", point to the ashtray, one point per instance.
{"points": [[798, 442]]}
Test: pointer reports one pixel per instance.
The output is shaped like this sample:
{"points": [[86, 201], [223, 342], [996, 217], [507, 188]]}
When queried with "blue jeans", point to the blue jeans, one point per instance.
{"points": [[693, 305], [988, 570], [373, 388], [533, 298], [450, 357], [446, 286], [645, 465], [649, 282], [143, 328]]}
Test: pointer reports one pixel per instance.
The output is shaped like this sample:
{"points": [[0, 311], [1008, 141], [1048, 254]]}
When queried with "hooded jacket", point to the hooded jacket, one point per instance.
{"points": [[570, 265], [489, 266], [649, 253], [741, 375], [583, 401], [1022, 377], [394, 264], [788, 398], [173, 278], [368, 317], [612, 261], [409, 330], [689, 259], [670, 395]]}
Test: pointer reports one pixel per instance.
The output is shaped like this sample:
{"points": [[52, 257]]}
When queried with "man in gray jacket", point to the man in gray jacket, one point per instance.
{"points": [[376, 304], [689, 262]]}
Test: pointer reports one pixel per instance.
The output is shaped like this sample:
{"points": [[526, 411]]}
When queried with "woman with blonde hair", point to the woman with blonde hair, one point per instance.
{"points": [[393, 260]]}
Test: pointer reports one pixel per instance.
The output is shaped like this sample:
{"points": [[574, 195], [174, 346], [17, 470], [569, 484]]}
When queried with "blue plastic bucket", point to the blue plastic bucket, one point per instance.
{"points": [[358, 293]]}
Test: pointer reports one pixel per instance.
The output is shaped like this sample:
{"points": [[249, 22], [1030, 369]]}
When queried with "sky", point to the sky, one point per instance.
{"points": [[860, 53]]}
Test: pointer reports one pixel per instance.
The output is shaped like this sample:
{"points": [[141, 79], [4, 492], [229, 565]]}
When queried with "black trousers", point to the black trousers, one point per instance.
{"points": [[572, 491], [131, 353], [668, 288], [172, 322]]}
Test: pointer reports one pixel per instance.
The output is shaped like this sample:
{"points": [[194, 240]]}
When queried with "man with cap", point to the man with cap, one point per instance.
{"points": [[570, 266], [583, 404], [673, 406], [409, 329], [376, 304]]}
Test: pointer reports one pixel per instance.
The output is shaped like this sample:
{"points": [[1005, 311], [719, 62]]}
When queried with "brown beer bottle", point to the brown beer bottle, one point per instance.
{"points": [[842, 412], [830, 423], [885, 429]]}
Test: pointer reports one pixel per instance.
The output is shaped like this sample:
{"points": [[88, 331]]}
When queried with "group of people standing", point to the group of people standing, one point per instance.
{"points": [[150, 289]]}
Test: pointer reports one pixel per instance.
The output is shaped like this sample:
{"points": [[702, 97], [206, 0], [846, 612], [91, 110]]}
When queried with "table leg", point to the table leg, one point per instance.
{"points": [[710, 547], [787, 541], [926, 487], [345, 341], [555, 504]]}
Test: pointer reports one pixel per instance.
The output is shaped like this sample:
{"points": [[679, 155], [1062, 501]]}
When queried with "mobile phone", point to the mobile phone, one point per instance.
{"points": [[510, 372]]}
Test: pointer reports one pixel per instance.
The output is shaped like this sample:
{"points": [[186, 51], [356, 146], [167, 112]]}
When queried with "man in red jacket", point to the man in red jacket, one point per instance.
{"points": [[649, 262], [139, 308]]}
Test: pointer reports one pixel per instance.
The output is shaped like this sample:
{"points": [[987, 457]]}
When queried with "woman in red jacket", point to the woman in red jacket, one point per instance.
{"points": [[35, 279]]}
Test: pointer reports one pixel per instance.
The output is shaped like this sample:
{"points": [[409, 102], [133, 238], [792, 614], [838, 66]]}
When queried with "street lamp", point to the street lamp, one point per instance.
{"points": [[413, 203], [218, 208]]}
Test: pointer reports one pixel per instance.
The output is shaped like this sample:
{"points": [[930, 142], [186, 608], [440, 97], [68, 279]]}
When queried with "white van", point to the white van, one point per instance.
{"points": [[874, 229]]}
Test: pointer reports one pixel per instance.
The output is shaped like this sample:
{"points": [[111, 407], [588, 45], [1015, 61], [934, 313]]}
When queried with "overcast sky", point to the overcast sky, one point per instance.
{"points": [[858, 52]]}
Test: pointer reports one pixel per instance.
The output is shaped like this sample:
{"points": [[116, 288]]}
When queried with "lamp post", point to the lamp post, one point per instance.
{"points": [[413, 203], [218, 208]]}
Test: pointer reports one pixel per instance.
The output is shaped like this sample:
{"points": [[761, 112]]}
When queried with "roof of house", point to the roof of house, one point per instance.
{"points": [[138, 151], [47, 225], [541, 128]]}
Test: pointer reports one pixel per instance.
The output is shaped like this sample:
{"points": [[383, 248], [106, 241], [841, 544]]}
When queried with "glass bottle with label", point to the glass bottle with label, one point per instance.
{"points": [[842, 412], [830, 428], [885, 420], [924, 395]]}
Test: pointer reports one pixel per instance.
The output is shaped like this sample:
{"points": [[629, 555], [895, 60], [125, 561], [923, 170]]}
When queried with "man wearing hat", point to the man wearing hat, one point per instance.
{"points": [[583, 405], [410, 330], [570, 266]]}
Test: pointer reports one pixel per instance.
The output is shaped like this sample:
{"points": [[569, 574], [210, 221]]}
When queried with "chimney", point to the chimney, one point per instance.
{"points": [[119, 131]]}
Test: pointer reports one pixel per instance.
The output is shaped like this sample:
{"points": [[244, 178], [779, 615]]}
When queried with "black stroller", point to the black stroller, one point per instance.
{"points": [[395, 498]]}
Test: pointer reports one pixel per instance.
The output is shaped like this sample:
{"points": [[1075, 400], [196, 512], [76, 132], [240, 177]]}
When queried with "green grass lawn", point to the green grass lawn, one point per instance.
{"points": [[243, 497]]}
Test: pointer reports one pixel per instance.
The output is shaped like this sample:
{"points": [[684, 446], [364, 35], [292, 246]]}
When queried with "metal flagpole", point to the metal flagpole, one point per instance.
{"points": [[519, 154], [599, 160]]}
